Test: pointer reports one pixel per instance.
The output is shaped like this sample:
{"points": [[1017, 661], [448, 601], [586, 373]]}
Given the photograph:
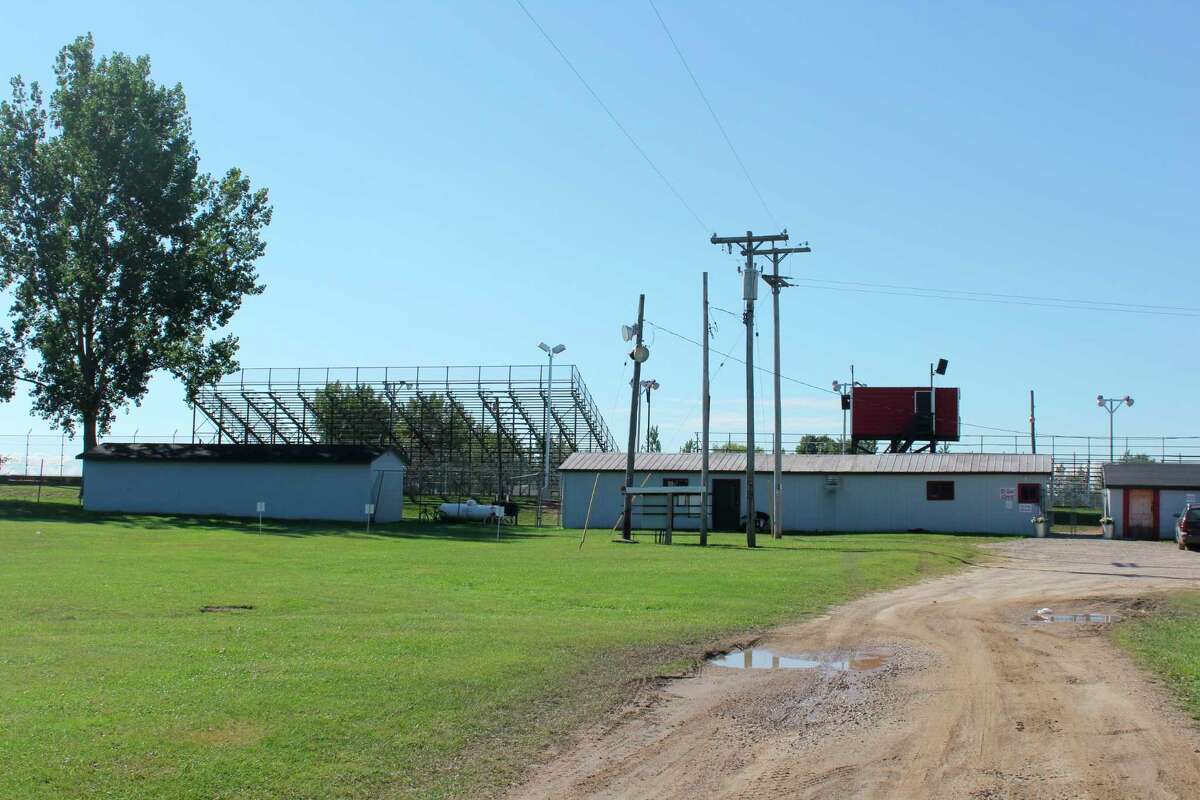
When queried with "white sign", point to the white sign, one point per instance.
{"points": [[1008, 504], [370, 509], [1025, 508], [1008, 493], [262, 507]]}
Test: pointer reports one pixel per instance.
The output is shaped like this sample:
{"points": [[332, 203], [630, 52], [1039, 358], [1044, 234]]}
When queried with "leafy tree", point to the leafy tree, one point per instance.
{"points": [[732, 447], [352, 414], [120, 256], [653, 445], [818, 444], [1136, 458], [690, 446]]}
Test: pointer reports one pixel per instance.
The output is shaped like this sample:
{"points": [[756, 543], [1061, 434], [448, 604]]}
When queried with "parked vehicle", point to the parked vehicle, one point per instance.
{"points": [[1187, 527]]}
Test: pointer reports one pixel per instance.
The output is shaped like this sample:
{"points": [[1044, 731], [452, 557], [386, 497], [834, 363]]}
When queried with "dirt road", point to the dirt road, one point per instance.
{"points": [[947, 689]]}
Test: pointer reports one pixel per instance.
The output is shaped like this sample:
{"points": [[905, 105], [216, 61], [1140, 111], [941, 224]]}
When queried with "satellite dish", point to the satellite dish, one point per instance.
{"points": [[640, 353], [627, 332]]}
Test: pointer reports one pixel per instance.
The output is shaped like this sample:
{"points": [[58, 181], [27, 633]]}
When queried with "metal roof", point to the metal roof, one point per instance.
{"points": [[1152, 475], [244, 453], [911, 463]]}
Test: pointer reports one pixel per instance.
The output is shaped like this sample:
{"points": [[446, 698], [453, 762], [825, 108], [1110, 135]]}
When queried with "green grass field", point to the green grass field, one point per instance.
{"points": [[1168, 643], [421, 660]]}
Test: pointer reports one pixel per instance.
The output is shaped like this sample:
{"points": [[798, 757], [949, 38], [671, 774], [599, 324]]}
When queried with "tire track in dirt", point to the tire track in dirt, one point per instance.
{"points": [[977, 700]]}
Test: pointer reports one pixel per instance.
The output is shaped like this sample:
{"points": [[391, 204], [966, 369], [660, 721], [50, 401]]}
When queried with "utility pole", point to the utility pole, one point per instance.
{"points": [[1032, 426], [846, 391], [1112, 405], [777, 282], [638, 354], [704, 499], [749, 245], [649, 386]]}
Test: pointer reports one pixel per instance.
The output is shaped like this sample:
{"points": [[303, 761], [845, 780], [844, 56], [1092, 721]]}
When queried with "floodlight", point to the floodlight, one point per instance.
{"points": [[545, 347], [1128, 400], [640, 353], [558, 348], [1100, 400], [627, 332], [941, 366], [836, 385]]}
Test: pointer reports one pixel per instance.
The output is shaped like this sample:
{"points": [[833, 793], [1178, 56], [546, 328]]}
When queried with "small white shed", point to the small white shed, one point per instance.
{"points": [[1143, 498], [328, 482]]}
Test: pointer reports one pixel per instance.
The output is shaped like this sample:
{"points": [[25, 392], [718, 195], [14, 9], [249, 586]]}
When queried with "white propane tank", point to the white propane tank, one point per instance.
{"points": [[470, 510]]}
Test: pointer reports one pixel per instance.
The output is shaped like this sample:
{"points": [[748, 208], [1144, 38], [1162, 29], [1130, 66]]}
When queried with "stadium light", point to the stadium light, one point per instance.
{"points": [[647, 387], [550, 352], [1112, 405]]}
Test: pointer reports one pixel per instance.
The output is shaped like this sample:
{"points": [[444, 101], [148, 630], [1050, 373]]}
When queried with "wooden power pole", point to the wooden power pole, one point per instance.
{"points": [[1032, 425], [749, 245], [777, 282], [638, 357], [705, 501]]}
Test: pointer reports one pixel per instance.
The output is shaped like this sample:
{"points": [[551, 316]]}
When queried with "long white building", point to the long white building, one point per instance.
{"points": [[961, 492]]}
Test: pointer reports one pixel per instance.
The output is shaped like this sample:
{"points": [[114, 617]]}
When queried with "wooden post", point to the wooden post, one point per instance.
{"points": [[704, 425]]}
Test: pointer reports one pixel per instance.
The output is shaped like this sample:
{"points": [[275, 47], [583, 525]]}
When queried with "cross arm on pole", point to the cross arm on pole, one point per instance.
{"points": [[778, 251], [749, 241]]}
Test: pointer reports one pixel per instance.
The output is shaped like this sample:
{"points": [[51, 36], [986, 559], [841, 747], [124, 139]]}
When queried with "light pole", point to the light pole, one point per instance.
{"points": [[1111, 404], [647, 387], [846, 390], [939, 369], [550, 352]]}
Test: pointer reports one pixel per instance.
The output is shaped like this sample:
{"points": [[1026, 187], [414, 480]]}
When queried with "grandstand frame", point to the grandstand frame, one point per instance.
{"points": [[463, 430]]}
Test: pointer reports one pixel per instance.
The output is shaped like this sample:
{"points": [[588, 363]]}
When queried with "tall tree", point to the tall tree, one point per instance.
{"points": [[121, 257], [653, 443], [810, 443]]}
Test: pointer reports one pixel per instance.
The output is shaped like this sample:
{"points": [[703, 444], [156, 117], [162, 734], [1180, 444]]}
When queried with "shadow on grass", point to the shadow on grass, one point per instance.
{"points": [[409, 529]]}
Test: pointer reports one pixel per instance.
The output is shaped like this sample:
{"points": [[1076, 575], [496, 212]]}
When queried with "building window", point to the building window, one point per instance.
{"points": [[681, 501], [939, 490], [1029, 493]]}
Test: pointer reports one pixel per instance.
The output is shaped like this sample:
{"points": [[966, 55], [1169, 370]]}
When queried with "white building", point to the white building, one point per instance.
{"points": [[961, 492], [331, 482], [1143, 499]]}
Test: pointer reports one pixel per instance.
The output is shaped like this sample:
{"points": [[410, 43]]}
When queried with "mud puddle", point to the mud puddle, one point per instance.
{"points": [[764, 658], [1089, 618]]}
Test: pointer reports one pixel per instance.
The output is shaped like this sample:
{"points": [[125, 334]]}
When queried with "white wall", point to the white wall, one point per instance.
{"points": [[1170, 503], [861, 502], [291, 491]]}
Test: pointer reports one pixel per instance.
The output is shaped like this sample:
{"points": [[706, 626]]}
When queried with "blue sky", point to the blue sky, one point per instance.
{"points": [[446, 192]]}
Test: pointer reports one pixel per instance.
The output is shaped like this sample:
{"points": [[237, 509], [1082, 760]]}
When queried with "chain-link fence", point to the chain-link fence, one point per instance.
{"points": [[54, 455]]}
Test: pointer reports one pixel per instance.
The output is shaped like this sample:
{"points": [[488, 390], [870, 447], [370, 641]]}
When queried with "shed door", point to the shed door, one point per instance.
{"points": [[1142, 520], [726, 504]]}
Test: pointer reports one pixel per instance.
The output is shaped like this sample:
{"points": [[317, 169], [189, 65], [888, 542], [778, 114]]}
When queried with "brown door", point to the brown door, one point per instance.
{"points": [[1143, 523]]}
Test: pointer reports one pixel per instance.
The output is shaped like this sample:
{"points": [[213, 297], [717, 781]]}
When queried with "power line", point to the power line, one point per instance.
{"points": [[713, 113], [730, 356], [738, 360], [612, 116], [989, 297], [1007, 296]]}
